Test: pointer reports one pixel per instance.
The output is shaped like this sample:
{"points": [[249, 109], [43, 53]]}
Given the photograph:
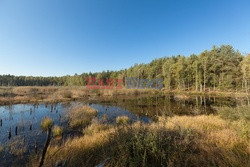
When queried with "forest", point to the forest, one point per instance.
{"points": [[221, 68]]}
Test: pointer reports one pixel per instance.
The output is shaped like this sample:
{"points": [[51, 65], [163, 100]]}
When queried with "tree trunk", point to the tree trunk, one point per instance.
{"points": [[196, 79], [45, 147]]}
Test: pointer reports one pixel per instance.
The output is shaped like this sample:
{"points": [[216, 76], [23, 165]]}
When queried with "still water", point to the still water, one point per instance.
{"points": [[20, 123]]}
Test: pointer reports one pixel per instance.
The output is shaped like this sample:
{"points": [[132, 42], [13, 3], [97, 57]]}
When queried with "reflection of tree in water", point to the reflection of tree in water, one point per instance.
{"points": [[168, 105]]}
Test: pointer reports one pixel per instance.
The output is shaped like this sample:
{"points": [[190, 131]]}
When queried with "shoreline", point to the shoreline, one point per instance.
{"points": [[36, 94]]}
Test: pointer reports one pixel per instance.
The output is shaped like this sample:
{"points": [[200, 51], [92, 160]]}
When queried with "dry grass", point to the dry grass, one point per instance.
{"points": [[137, 91], [78, 151], [25, 94], [177, 141], [95, 128], [66, 94], [122, 120], [81, 116], [57, 131], [214, 130], [240, 112]]}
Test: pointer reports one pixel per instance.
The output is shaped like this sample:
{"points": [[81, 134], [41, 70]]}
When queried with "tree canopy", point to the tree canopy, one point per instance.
{"points": [[217, 69]]}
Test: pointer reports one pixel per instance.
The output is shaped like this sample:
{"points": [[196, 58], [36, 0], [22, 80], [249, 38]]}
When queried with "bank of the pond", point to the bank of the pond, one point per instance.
{"points": [[31, 94], [205, 140], [117, 136], [22, 134]]}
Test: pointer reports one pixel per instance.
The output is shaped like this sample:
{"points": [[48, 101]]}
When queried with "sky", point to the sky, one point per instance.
{"points": [[64, 37]]}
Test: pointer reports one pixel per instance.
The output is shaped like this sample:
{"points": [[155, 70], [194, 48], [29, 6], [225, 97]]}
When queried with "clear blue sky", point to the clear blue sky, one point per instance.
{"points": [[59, 37]]}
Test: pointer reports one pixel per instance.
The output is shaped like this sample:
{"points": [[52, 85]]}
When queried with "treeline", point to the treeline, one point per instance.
{"points": [[221, 68]]}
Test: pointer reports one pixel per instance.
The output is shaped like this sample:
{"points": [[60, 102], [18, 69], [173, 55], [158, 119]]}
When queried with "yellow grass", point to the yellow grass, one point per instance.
{"points": [[81, 116], [25, 94], [96, 128], [214, 130], [57, 131], [177, 141], [122, 120], [47, 123]]}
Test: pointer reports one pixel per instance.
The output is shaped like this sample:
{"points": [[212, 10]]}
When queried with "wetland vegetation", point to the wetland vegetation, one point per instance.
{"points": [[199, 118], [128, 130]]}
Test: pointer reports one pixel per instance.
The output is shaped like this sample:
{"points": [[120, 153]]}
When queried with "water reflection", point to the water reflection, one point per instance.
{"points": [[21, 122], [168, 105]]}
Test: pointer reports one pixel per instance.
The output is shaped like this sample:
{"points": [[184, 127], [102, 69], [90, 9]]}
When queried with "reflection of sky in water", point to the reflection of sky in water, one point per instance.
{"points": [[25, 115], [27, 119]]}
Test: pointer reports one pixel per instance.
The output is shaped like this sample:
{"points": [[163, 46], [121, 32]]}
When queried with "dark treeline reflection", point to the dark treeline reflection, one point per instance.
{"points": [[169, 105]]}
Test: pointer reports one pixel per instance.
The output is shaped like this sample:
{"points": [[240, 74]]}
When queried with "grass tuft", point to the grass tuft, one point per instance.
{"points": [[81, 116], [95, 128], [122, 120], [66, 94], [46, 123], [57, 131]]}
